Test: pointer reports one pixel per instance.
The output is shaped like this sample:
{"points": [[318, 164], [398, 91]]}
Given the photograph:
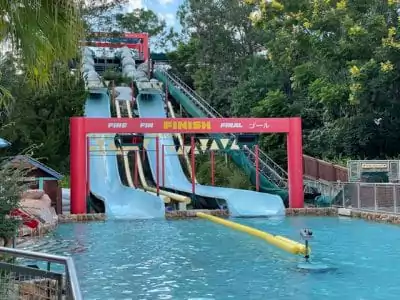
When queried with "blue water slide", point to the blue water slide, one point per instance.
{"points": [[121, 202], [241, 203]]}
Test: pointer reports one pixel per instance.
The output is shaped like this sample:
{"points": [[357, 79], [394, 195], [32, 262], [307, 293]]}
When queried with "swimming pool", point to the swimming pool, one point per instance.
{"points": [[199, 260]]}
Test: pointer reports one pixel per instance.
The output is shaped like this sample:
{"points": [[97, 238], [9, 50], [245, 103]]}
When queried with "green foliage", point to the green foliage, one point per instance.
{"points": [[226, 173], [65, 181], [116, 77], [41, 117], [141, 20], [41, 33], [12, 187], [334, 63], [145, 20]]}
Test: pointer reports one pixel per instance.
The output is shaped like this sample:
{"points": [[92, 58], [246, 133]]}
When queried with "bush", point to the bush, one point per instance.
{"points": [[11, 188], [226, 173]]}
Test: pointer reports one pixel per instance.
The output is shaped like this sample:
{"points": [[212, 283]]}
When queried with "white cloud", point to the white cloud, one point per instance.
{"points": [[165, 2], [169, 18], [134, 4]]}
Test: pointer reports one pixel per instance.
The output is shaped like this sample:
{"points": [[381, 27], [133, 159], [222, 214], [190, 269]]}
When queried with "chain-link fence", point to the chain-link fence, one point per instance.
{"points": [[379, 197], [26, 280]]}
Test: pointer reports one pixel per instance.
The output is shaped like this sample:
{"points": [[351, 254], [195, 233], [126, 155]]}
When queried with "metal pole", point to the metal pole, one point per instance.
{"points": [[163, 164], [183, 145], [136, 168], [343, 192], [158, 165], [193, 165], [113, 93], [212, 168], [375, 201], [166, 91], [394, 198], [257, 170]]}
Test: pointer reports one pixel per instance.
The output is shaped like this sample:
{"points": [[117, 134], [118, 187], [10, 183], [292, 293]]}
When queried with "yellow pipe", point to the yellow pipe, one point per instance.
{"points": [[169, 195], [124, 151], [172, 196], [128, 106], [180, 139], [166, 199], [118, 108], [278, 241]]}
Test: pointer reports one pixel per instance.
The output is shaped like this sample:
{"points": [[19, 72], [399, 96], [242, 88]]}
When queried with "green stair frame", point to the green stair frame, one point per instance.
{"points": [[238, 157]]}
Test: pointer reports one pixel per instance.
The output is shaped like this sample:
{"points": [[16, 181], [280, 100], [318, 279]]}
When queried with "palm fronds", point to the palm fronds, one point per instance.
{"points": [[41, 32]]}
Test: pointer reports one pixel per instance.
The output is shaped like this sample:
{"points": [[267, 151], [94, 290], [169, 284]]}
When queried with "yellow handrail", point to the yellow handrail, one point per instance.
{"points": [[169, 195], [181, 142]]}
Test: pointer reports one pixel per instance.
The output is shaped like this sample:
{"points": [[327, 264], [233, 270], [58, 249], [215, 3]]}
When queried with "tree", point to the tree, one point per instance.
{"points": [[227, 174], [41, 117], [41, 32], [99, 15], [334, 63], [144, 20], [224, 38], [12, 186]]}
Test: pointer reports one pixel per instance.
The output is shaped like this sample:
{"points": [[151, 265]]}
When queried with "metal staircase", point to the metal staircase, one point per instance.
{"points": [[267, 167]]}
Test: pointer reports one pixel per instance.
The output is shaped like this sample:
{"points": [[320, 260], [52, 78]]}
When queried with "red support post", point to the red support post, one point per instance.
{"points": [[137, 155], [145, 44], [163, 164], [193, 163], [212, 168], [78, 165], [158, 165], [295, 163], [257, 169], [87, 166]]}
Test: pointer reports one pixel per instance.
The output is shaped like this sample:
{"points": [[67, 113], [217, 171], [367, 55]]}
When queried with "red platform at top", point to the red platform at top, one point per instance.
{"points": [[138, 41]]}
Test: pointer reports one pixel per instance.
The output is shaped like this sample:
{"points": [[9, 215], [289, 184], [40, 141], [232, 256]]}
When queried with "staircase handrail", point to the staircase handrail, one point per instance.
{"points": [[278, 172], [192, 93], [279, 180]]}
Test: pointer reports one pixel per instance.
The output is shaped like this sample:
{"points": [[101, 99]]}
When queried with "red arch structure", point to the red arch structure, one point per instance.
{"points": [[80, 127], [138, 41]]}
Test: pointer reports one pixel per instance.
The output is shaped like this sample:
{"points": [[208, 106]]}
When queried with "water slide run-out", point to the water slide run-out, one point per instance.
{"points": [[194, 110], [120, 201], [124, 151], [240, 202], [123, 95]]}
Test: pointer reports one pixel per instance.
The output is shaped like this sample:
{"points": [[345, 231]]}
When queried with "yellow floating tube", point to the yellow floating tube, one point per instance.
{"points": [[278, 241]]}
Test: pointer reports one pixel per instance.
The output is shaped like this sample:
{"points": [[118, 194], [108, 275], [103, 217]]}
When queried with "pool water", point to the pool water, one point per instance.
{"points": [[199, 260]]}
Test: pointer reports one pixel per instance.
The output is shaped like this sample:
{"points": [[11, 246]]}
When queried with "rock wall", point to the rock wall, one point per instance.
{"points": [[38, 204]]}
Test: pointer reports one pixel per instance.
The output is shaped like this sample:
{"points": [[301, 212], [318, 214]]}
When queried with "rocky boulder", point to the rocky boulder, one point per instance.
{"points": [[38, 204]]}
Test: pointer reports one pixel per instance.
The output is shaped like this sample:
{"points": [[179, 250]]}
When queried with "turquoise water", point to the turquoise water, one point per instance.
{"points": [[199, 260]]}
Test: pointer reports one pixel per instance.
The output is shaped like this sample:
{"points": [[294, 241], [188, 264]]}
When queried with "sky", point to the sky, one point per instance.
{"points": [[166, 9]]}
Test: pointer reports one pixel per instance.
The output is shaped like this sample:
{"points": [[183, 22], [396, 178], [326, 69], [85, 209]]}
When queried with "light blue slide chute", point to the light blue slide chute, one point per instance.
{"points": [[4, 143], [241, 203], [121, 202]]}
